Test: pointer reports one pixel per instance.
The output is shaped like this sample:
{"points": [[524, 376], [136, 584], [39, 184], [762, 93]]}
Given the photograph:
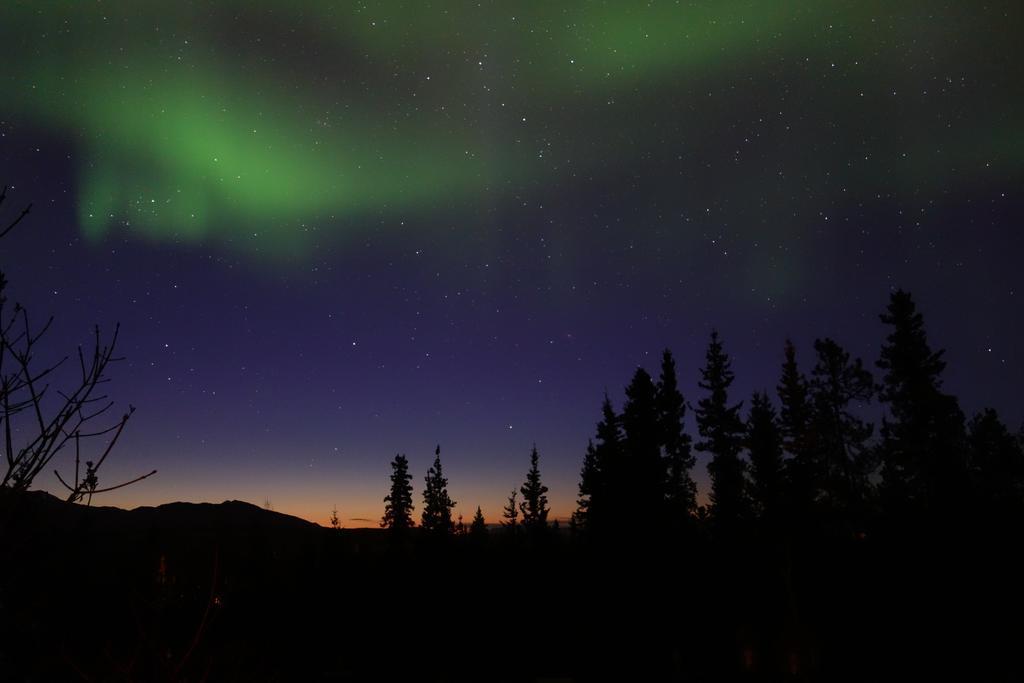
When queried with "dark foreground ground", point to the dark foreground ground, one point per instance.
{"points": [[188, 592]]}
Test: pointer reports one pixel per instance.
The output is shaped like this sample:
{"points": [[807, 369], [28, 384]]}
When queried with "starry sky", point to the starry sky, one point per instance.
{"points": [[333, 232]]}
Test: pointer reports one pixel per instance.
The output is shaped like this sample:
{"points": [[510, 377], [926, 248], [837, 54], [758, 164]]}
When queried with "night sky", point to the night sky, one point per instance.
{"points": [[333, 232]]}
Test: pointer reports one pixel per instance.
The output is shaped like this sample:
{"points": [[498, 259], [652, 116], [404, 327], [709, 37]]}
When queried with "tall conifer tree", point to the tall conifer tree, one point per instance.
{"points": [[600, 477], [722, 433], [797, 439], [510, 514], [398, 505], [764, 442], [840, 386], [923, 445], [795, 411], [589, 476], [534, 505], [437, 506], [642, 479], [680, 489]]}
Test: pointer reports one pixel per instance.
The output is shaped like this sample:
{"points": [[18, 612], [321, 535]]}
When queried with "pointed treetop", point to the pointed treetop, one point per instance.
{"points": [[398, 503], [478, 526], [909, 362], [676, 444], [795, 413], [437, 505], [717, 422], [510, 513], [722, 432], [535, 504]]}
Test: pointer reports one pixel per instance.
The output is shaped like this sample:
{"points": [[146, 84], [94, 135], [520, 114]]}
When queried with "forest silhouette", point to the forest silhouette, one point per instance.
{"points": [[829, 548]]}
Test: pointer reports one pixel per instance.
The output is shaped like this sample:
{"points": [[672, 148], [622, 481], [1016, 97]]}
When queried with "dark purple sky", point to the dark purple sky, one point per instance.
{"points": [[348, 288]]}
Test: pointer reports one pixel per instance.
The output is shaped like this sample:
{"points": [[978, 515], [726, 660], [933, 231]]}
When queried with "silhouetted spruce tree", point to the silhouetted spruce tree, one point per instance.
{"points": [[335, 522], [923, 438], [795, 426], [437, 506], [510, 514], [764, 443], [478, 527], [795, 411], [535, 504], [604, 505], [589, 475], [722, 433], [997, 465], [678, 459], [642, 476], [398, 505], [839, 385]]}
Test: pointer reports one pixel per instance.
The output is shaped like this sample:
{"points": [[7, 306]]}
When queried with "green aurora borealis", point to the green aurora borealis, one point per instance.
{"points": [[274, 127]]}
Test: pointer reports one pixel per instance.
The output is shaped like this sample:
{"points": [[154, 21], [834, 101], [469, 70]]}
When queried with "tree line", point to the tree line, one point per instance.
{"points": [[804, 459], [436, 518]]}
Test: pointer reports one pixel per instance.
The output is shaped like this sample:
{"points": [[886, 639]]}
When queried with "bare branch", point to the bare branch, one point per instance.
{"points": [[73, 489], [24, 212], [127, 483], [27, 396], [117, 435]]}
